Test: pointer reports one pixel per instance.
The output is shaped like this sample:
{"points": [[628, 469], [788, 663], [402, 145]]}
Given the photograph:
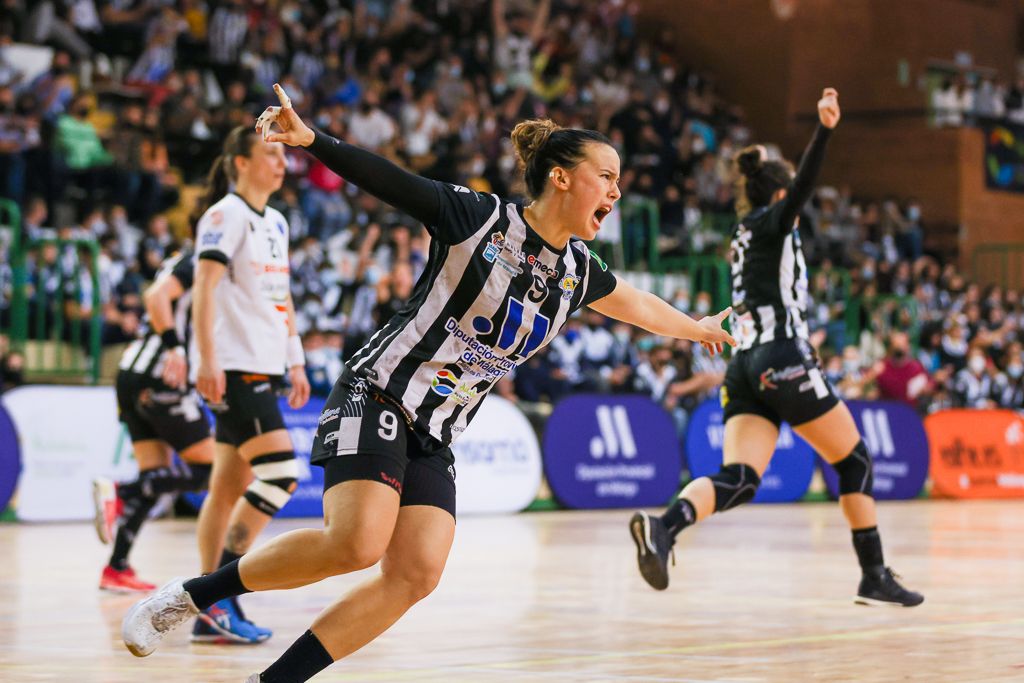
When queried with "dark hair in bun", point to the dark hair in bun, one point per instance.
{"points": [[759, 179], [541, 144]]}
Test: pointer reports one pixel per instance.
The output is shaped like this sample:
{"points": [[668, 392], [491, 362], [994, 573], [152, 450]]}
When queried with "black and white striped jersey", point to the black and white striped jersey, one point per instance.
{"points": [[492, 294], [769, 273], [144, 356]]}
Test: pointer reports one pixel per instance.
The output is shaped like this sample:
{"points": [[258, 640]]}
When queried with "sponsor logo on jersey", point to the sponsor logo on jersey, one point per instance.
{"points": [[328, 415], [600, 261], [333, 436], [212, 239], [477, 358], [771, 376], [568, 286], [494, 250], [450, 385]]}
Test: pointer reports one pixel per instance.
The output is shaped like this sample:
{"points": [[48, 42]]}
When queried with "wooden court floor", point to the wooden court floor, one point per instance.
{"points": [[761, 594]]}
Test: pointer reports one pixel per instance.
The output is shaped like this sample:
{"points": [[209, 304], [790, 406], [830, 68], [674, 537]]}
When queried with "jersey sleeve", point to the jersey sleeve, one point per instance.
{"points": [[806, 176], [600, 281], [219, 234], [184, 271], [462, 212]]}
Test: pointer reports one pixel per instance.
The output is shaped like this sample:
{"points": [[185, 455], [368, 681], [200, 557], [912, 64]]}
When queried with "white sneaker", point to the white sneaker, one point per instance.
{"points": [[149, 619], [105, 512]]}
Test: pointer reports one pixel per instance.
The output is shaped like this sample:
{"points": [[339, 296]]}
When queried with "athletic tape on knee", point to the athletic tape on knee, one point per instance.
{"points": [[735, 485], [276, 474], [855, 471]]}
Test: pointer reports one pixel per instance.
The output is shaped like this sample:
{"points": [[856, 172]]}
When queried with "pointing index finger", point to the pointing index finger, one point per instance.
{"points": [[286, 101]]}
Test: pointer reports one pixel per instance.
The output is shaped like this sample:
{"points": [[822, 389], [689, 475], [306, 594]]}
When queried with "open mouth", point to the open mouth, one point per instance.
{"points": [[600, 214]]}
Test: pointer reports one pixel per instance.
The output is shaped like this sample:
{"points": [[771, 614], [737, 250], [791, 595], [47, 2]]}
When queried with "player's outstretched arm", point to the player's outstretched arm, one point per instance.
{"points": [[647, 311], [413, 194]]}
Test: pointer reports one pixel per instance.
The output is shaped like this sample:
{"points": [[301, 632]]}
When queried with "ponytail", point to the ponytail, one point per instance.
{"points": [[222, 173], [216, 187]]}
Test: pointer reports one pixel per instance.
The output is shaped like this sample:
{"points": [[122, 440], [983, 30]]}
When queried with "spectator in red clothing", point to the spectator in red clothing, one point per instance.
{"points": [[900, 376]]}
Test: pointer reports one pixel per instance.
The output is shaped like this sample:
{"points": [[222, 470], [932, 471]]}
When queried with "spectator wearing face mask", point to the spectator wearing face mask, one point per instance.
{"points": [[658, 372], [975, 386], [900, 376], [1013, 396]]}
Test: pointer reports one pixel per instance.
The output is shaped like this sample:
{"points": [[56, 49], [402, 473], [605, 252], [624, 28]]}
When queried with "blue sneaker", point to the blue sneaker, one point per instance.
{"points": [[223, 623]]}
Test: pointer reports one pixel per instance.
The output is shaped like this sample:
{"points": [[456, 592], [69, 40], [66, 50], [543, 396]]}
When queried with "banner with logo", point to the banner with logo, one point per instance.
{"points": [[497, 460], [611, 451], [10, 458], [307, 500], [976, 453], [895, 437], [68, 435], [789, 472], [1004, 157]]}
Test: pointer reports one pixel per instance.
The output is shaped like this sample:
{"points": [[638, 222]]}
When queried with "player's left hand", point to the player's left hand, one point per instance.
{"points": [[828, 108], [294, 132], [714, 337], [299, 395], [175, 368]]}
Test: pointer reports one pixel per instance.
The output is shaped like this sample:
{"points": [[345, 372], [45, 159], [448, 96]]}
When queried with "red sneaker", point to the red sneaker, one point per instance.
{"points": [[106, 508], [123, 581]]}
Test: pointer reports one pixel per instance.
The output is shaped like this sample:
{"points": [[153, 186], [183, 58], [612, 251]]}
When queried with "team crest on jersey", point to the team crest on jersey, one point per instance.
{"points": [[494, 248], [448, 384], [217, 217], [568, 286]]}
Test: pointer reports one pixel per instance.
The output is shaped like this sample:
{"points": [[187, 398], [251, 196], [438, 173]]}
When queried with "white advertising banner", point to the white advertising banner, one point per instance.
{"points": [[68, 435], [497, 460]]}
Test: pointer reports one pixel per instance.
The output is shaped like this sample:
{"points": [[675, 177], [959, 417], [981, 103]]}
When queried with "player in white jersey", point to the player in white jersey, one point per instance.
{"points": [[244, 339], [502, 278], [160, 412]]}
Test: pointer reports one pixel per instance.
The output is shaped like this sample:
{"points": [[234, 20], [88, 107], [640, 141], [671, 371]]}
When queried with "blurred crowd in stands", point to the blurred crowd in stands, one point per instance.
{"points": [[108, 139]]}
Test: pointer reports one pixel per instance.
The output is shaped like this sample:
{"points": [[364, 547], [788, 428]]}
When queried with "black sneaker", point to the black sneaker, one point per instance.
{"points": [[880, 587], [653, 547]]}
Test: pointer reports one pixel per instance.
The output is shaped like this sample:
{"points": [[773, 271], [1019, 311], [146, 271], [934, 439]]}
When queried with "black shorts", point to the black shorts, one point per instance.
{"points": [[780, 381], [364, 434], [150, 410], [249, 407]]}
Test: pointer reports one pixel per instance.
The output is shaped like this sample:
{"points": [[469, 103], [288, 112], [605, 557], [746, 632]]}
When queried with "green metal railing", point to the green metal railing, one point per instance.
{"points": [[10, 218], [55, 344], [1001, 264]]}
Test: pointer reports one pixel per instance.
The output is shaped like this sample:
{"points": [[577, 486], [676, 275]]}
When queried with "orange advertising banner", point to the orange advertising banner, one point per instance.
{"points": [[976, 453]]}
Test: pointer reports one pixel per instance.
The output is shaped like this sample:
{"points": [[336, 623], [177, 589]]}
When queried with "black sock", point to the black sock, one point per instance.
{"points": [[868, 545], [136, 510], [304, 659], [160, 480], [679, 516], [223, 583], [227, 557]]}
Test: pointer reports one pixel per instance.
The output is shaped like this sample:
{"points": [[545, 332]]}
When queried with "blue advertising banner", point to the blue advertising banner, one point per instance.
{"points": [[895, 437], [10, 458], [789, 472], [605, 451], [307, 501]]}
